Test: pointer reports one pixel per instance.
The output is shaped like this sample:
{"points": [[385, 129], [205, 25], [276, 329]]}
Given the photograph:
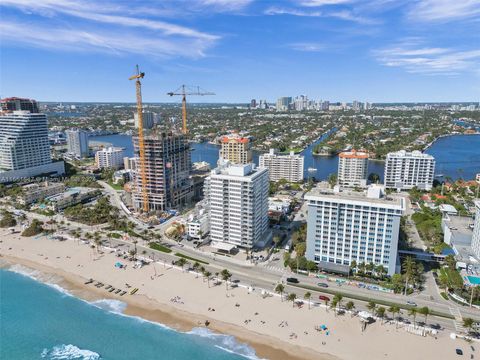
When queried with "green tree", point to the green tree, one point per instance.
{"points": [[350, 306], [279, 289], [425, 311], [413, 313], [196, 266], [207, 275], [332, 179], [381, 313], [394, 309], [226, 275], [181, 262], [371, 306], [292, 297], [353, 266], [468, 324], [307, 297], [300, 249], [373, 178]]}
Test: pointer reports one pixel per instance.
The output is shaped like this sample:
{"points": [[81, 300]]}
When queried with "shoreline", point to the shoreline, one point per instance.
{"points": [[273, 327], [178, 320]]}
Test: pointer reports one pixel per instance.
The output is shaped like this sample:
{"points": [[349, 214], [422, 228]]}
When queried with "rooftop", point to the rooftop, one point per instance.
{"points": [[354, 154], [372, 195], [461, 239]]}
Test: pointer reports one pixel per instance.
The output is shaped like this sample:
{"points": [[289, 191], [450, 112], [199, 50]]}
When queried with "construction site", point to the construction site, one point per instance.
{"points": [[162, 179]]}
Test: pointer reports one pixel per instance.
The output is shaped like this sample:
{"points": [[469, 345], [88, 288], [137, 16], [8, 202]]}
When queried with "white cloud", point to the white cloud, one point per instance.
{"points": [[444, 10], [113, 42], [343, 14], [429, 60], [316, 3], [225, 5], [101, 26], [307, 47]]}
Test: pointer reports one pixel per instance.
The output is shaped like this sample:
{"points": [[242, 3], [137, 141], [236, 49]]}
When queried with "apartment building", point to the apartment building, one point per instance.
{"points": [[353, 168], [237, 197], [406, 170], [111, 157], [77, 143], [476, 230], [288, 167], [236, 149]]}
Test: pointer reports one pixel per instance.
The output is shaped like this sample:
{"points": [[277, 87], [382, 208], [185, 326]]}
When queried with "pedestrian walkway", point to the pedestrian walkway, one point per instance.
{"points": [[458, 322]]}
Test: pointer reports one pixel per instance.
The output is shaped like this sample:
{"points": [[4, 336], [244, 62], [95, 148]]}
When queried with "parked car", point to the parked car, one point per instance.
{"points": [[324, 298], [411, 303], [459, 351], [293, 280], [322, 285]]}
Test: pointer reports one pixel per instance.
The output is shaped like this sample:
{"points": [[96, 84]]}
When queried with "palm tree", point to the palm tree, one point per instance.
{"points": [[135, 245], [394, 309], [338, 300], [380, 270], [408, 270], [207, 274], [353, 266], [307, 297], [326, 304], [371, 306], [292, 297], [279, 289], [350, 306], [333, 305], [226, 275], [181, 262], [425, 311], [196, 266], [468, 324], [413, 312], [381, 313]]}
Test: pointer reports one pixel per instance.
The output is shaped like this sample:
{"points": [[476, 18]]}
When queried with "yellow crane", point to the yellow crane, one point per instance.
{"points": [[184, 91], [141, 142]]}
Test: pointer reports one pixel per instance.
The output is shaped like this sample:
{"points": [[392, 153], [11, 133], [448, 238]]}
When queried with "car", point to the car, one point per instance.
{"points": [[322, 285], [459, 351], [411, 303], [293, 280], [324, 298]]}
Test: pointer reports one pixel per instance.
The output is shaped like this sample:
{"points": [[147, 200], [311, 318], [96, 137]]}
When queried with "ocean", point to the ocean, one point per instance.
{"points": [[43, 321]]}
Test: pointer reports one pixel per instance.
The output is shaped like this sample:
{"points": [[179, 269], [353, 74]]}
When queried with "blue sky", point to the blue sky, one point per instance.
{"points": [[337, 50]]}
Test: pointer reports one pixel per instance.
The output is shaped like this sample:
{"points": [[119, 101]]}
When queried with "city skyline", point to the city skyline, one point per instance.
{"points": [[337, 50]]}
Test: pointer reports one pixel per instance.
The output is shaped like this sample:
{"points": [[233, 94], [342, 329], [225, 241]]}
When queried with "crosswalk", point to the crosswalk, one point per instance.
{"points": [[458, 322], [275, 268]]}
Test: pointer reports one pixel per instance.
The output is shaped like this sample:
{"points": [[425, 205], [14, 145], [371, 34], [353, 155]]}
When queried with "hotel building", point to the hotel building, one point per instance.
{"points": [[343, 226]]}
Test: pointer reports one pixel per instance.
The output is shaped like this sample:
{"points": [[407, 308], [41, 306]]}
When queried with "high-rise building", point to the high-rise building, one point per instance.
{"points": [[24, 146], [129, 163], [301, 103], [149, 120], [111, 157], [288, 167], [236, 149], [343, 226], [17, 104], [476, 230], [77, 143], [237, 197], [283, 103], [406, 170], [253, 104], [167, 168], [353, 168]]}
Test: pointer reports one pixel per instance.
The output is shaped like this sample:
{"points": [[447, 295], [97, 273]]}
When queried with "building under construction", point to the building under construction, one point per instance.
{"points": [[167, 169]]}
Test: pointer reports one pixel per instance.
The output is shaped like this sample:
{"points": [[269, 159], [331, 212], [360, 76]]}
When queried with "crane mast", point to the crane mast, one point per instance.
{"points": [[183, 91], [141, 141]]}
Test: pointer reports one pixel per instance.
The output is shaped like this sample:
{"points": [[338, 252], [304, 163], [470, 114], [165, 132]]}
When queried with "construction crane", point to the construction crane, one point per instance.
{"points": [[141, 143], [184, 91]]}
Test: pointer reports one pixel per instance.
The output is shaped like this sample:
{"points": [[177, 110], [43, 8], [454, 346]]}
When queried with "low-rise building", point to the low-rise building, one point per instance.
{"points": [[72, 196], [38, 191], [198, 225]]}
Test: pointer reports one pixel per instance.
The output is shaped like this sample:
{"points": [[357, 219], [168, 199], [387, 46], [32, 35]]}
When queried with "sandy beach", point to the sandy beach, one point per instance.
{"points": [[183, 300]]}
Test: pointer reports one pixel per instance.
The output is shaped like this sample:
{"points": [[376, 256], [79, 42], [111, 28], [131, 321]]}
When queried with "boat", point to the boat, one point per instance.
{"points": [[439, 175], [310, 169], [133, 291]]}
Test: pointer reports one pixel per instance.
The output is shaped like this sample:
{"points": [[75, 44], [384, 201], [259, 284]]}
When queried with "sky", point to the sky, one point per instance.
{"points": [[336, 50]]}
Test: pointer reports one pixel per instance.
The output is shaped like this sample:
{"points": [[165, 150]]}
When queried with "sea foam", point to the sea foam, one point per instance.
{"points": [[226, 342], [69, 352], [111, 305], [47, 279]]}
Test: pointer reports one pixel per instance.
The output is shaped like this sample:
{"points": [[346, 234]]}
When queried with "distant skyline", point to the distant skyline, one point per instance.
{"points": [[337, 50]]}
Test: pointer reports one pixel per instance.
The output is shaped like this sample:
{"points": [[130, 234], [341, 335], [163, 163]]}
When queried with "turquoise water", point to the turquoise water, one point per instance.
{"points": [[40, 321], [475, 280]]}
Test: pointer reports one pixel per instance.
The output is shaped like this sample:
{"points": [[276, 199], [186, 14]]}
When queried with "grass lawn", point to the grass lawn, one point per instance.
{"points": [[160, 247], [190, 258]]}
